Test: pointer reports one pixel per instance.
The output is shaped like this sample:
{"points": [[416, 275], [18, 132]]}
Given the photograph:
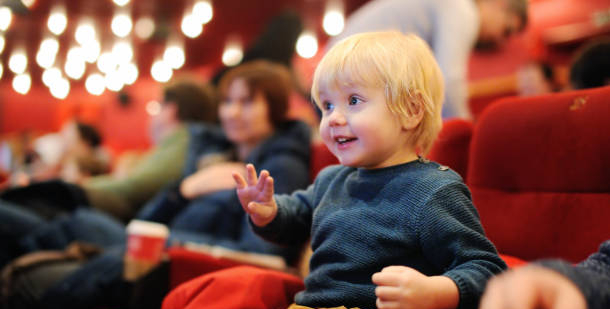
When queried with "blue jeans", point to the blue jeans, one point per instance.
{"points": [[23, 231], [97, 283]]}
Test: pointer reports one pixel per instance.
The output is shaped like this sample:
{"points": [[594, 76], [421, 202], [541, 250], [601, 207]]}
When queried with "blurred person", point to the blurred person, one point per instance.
{"points": [[553, 284], [184, 102], [536, 78], [591, 65], [451, 28], [72, 154], [202, 208], [589, 68]]}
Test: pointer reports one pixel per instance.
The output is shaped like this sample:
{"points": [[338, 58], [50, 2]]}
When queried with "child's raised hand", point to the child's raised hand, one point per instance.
{"points": [[256, 195], [401, 287]]}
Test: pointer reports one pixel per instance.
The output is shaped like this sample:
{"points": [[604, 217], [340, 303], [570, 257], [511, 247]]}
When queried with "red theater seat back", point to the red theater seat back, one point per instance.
{"points": [[321, 157], [452, 145], [539, 172]]}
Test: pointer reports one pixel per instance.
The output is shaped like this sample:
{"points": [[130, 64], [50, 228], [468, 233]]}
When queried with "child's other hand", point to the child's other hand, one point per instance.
{"points": [[532, 287], [401, 287], [256, 195]]}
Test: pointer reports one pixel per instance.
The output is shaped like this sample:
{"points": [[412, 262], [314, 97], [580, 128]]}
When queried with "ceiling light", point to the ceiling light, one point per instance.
{"points": [[57, 21], [95, 84], [307, 45], [129, 73], [233, 54], [5, 18], [145, 27], [174, 56], [1, 43], [22, 83], [18, 61], [190, 26], [85, 32], [161, 71], [121, 24], [60, 88], [50, 75], [202, 11], [113, 81], [333, 22], [121, 2]]}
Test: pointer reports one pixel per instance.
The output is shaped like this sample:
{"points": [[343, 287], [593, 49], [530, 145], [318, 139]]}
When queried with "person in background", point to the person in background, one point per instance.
{"points": [[591, 65], [553, 284], [201, 208], [451, 28], [73, 154], [183, 102], [389, 229]]}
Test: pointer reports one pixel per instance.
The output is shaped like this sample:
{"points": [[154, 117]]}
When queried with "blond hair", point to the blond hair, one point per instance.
{"points": [[402, 65]]}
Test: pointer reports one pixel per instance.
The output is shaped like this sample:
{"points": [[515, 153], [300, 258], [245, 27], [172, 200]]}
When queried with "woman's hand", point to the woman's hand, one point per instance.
{"points": [[256, 195], [213, 178]]}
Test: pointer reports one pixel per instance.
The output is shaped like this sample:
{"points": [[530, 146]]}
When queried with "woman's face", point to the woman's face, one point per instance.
{"points": [[244, 114]]}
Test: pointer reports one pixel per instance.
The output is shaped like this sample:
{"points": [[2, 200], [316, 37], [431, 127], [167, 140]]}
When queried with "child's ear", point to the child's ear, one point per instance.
{"points": [[415, 113]]}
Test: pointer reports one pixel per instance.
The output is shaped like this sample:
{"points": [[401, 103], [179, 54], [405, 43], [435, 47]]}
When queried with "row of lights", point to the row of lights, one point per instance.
{"points": [[115, 66]]}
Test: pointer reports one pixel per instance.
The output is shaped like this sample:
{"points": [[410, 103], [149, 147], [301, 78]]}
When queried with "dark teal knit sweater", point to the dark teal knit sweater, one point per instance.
{"points": [[416, 214]]}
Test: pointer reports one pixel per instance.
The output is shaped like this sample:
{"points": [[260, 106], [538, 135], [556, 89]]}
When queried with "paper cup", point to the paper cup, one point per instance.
{"points": [[145, 246]]}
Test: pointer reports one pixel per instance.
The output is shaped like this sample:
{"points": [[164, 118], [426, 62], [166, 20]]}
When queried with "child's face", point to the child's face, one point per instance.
{"points": [[359, 129]]}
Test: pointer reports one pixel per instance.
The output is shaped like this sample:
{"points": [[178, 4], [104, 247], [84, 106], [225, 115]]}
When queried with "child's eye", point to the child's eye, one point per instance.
{"points": [[328, 106], [353, 100]]}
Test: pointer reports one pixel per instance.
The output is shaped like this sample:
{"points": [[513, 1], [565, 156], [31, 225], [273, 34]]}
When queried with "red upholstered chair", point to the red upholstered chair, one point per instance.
{"points": [[539, 172], [321, 157], [236, 288], [187, 264], [452, 145]]}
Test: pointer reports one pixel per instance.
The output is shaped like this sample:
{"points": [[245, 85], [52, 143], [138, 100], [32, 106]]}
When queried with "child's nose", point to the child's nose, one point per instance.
{"points": [[336, 118]]}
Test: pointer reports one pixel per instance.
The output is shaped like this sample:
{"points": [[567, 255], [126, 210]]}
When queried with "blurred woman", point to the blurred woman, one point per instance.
{"points": [[203, 207]]}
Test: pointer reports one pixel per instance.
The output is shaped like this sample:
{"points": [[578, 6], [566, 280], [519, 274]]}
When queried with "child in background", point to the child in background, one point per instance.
{"points": [[389, 229]]}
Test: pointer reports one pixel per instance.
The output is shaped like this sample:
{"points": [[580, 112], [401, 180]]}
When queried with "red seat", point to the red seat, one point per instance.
{"points": [[321, 157], [236, 288], [188, 264], [539, 172], [452, 145]]}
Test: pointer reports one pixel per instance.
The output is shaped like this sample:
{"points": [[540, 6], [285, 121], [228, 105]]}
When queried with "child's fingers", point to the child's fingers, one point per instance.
{"points": [[386, 278], [259, 210], [251, 175], [268, 188], [239, 180], [262, 180], [387, 304], [387, 293]]}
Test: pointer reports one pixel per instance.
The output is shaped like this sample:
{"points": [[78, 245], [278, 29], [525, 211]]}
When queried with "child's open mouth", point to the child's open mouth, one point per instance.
{"points": [[344, 140]]}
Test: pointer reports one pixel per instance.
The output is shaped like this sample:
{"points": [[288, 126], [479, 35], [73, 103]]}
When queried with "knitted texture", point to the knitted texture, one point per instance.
{"points": [[416, 214]]}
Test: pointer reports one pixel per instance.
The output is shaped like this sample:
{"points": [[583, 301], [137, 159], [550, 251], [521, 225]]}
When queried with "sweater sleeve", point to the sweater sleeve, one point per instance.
{"points": [[592, 276], [292, 224], [452, 239], [161, 166]]}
